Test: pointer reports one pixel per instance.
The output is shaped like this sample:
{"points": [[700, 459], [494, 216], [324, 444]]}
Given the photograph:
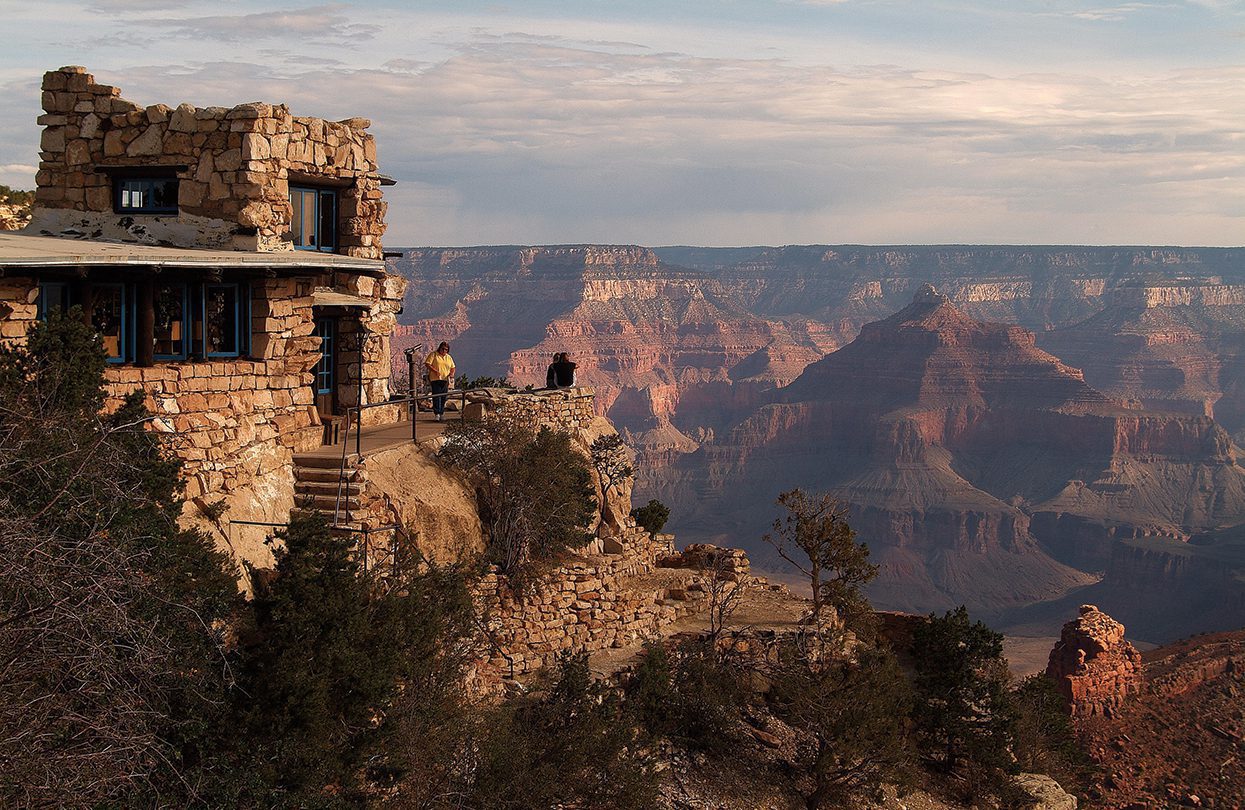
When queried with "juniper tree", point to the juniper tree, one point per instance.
{"points": [[815, 537], [533, 490], [963, 715], [113, 671]]}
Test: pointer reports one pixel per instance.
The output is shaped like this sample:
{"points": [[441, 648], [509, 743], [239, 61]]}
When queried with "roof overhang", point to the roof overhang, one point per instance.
{"points": [[21, 254], [323, 297]]}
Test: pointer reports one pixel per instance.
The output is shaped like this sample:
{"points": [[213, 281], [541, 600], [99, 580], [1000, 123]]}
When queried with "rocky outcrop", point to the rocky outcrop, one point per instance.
{"points": [[977, 466], [671, 361], [1096, 669]]}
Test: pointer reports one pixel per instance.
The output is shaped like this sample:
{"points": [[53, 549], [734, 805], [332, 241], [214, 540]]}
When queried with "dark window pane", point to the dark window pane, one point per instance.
{"points": [[171, 320], [221, 319], [325, 328], [107, 313], [53, 295], [147, 195], [313, 221], [328, 220]]}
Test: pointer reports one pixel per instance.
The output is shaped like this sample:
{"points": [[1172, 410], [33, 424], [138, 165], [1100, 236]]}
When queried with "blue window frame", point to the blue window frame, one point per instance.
{"points": [[110, 318], [172, 321], [145, 195], [53, 295], [314, 222], [326, 369], [222, 316]]}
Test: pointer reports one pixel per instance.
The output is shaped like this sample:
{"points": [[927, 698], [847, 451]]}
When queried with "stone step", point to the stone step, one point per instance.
{"points": [[333, 462], [330, 488], [325, 503], [325, 474]]}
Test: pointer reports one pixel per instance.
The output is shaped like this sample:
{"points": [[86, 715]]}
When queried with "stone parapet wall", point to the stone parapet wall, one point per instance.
{"points": [[567, 409], [585, 605], [236, 168]]}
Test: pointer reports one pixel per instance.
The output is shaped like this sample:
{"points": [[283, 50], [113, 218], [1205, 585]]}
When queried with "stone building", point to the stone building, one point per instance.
{"points": [[230, 259]]}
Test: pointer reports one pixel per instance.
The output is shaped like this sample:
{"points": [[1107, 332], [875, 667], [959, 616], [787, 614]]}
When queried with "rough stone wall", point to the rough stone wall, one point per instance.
{"points": [[1094, 667], [375, 328], [234, 191], [589, 604], [18, 309], [235, 420], [569, 409]]}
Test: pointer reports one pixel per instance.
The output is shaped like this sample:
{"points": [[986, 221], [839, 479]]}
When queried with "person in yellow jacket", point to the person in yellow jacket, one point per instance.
{"points": [[439, 366]]}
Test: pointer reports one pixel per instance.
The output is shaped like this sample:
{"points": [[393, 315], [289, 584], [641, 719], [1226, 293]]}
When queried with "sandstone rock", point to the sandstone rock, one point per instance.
{"points": [[1096, 669]]}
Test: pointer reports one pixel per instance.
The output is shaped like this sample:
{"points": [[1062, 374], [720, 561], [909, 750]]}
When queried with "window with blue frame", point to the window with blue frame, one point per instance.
{"points": [[314, 224], [326, 329], [222, 320], [172, 321], [53, 295], [109, 317], [145, 195]]}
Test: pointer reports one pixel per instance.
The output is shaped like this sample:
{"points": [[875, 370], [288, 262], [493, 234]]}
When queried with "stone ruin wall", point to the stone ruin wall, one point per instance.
{"points": [[589, 604], [233, 193]]}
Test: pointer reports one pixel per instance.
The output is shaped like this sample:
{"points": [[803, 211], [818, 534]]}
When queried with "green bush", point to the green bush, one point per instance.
{"points": [[336, 652], [533, 489], [688, 694], [573, 747], [963, 715], [856, 712], [652, 516]]}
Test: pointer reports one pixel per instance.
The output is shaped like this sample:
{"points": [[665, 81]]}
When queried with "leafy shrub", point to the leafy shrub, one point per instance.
{"points": [[688, 694], [652, 516], [856, 712], [333, 650], [533, 489], [574, 747]]}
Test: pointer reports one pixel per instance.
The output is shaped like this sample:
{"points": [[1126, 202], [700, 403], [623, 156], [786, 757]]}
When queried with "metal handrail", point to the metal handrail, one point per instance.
{"points": [[353, 419]]}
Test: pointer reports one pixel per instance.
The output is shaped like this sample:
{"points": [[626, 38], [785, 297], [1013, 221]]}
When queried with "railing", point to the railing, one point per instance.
{"points": [[361, 549], [354, 418]]}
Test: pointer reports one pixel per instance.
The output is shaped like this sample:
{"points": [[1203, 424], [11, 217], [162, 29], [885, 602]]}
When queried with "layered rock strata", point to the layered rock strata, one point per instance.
{"points": [[959, 445], [1095, 668]]}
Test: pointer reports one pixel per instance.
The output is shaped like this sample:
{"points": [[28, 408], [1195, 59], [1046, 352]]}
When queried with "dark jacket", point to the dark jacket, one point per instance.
{"points": [[564, 374], [551, 377]]}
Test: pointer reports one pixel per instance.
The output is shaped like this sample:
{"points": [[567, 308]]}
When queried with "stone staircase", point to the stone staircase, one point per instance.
{"points": [[317, 482]]}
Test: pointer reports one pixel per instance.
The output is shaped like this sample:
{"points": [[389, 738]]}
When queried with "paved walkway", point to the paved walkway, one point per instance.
{"points": [[380, 437]]}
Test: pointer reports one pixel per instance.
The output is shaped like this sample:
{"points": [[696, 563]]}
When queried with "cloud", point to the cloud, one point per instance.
{"points": [[516, 140], [317, 23]]}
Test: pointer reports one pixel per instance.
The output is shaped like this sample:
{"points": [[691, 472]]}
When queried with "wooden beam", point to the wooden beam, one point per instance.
{"points": [[145, 331]]}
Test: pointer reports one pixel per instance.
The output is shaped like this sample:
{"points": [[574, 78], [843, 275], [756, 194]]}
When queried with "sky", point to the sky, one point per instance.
{"points": [[712, 122]]}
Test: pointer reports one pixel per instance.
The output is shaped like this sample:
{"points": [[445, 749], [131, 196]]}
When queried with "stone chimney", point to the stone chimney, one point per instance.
{"points": [[1094, 667]]}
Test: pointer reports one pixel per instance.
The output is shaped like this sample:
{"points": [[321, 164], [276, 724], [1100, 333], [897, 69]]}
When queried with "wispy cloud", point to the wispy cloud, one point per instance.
{"points": [[328, 22], [521, 129]]}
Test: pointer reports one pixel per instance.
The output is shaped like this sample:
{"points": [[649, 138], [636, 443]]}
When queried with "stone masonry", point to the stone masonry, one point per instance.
{"points": [[234, 167]]}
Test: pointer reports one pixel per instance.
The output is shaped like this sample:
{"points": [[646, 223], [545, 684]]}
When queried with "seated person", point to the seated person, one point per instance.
{"points": [[551, 379], [564, 372]]}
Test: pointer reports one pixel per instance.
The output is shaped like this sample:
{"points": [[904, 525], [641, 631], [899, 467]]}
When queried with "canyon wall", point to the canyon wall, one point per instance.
{"points": [[1066, 402]]}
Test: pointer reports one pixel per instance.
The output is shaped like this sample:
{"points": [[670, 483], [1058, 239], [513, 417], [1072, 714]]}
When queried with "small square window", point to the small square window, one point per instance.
{"points": [[145, 195], [314, 223]]}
